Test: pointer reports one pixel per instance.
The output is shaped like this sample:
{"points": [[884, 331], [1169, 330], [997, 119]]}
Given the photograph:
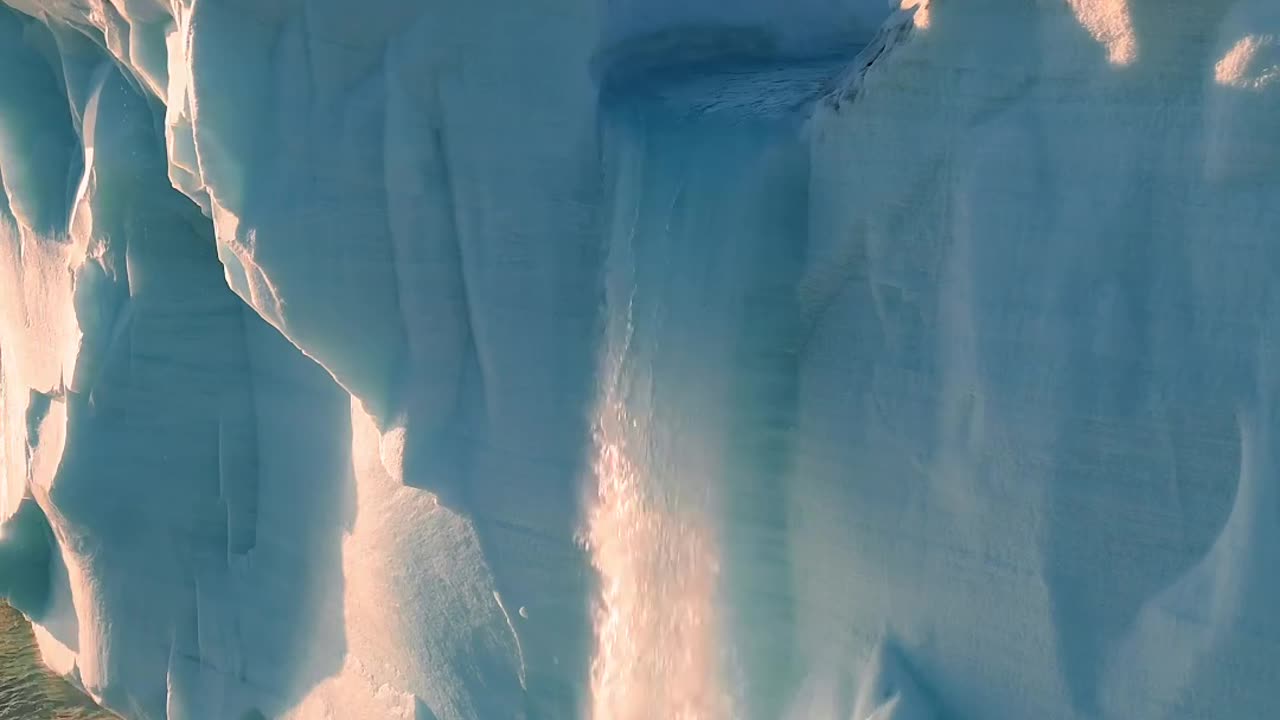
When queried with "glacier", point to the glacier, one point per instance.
{"points": [[635, 359]]}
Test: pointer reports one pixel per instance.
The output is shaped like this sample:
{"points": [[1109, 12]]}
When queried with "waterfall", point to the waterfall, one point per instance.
{"points": [[657, 645], [708, 212]]}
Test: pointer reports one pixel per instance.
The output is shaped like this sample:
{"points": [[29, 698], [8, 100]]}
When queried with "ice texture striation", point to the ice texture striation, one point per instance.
{"points": [[621, 359]]}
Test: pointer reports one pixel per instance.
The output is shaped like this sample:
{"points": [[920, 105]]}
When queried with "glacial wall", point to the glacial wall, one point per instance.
{"points": [[618, 360]]}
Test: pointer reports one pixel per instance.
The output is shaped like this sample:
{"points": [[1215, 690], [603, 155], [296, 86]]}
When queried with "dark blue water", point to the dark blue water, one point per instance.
{"points": [[28, 691]]}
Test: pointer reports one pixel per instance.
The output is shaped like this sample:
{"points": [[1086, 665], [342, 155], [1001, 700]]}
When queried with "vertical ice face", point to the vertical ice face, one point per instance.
{"points": [[1044, 327], [618, 359], [453, 302]]}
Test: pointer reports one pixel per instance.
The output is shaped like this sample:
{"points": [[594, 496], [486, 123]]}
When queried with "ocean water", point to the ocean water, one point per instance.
{"points": [[28, 691]]}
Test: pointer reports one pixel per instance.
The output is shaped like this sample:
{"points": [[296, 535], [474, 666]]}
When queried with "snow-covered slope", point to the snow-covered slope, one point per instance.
{"points": [[613, 360]]}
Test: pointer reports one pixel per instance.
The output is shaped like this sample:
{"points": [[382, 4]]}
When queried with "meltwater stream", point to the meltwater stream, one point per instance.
{"points": [[656, 621], [708, 176], [657, 629]]}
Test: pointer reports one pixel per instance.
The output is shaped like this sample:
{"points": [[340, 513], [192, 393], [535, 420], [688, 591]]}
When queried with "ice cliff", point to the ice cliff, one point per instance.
{"points": [[644, 359]]}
